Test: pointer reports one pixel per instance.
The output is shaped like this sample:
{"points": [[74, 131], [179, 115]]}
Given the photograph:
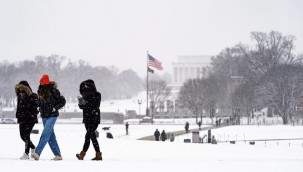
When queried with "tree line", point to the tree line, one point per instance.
{"points": [[245, 78], [68, 74]]}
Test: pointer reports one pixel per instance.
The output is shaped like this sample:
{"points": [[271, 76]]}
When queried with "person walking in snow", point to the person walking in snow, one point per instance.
{"points": [[186, 127], [50, 100], [157, 135], [126, 128], [26, 114], [199, 124], [172, 137], [90, 104], [163, 136], [213, 140]]}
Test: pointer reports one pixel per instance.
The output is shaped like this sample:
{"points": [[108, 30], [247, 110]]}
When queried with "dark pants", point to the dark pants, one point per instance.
{"points": [[25, 132], [157, 138], [91, 135], [186, 130]]}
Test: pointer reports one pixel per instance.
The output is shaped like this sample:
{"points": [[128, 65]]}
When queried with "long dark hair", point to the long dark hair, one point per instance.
{"points": [[44, 91]]}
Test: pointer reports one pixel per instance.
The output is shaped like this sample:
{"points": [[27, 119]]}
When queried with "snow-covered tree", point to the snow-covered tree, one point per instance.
{"points": [[282, 88]]}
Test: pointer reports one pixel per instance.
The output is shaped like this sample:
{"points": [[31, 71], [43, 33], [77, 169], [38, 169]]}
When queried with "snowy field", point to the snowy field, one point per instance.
{"points": [[125, 153]]}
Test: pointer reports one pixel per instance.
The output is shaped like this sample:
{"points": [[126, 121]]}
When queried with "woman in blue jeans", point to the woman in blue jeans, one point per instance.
{"points": [[49, 102]]}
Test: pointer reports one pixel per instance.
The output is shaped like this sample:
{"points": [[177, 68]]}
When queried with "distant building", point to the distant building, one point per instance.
{"points": [[189, 67]]}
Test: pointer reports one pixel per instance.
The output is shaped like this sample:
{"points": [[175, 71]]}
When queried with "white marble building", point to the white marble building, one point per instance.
{"points": [[189, 67]]}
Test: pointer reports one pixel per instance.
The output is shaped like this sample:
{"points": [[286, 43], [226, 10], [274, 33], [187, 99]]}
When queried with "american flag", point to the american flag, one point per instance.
{"points": [[152, 62]]}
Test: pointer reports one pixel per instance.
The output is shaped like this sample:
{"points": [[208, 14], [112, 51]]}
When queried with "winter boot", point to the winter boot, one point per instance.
{"points": [[81, 155], [24, 156], [98, 156]]}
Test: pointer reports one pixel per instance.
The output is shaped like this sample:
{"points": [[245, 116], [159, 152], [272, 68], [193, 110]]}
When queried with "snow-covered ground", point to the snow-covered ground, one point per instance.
{"points": [[125, 153]]}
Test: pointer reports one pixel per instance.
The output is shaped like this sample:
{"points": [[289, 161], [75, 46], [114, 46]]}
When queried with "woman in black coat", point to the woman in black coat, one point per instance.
{"points": [[26, 114], [90, 104]]}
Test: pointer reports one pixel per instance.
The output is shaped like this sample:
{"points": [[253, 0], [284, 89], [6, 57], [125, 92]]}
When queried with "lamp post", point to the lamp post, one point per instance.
{"points": [[139, 103]]}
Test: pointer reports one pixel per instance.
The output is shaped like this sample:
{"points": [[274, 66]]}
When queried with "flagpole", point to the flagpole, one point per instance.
{"points": [[147, 111]]}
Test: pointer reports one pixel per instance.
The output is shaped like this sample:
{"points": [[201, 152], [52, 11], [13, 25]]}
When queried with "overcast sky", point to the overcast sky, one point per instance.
{"points": [[119, 32]]}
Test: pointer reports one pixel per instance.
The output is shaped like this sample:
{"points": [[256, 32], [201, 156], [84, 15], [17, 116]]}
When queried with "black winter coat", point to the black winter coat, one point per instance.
{"points": [[27, 104], [54, 101], [91, 109], [157, 134], [163, 136]]}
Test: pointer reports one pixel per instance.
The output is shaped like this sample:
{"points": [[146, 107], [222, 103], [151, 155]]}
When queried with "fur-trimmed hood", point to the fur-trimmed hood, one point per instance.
{"points": [[20, 87], [54, 84], [44, 90]]}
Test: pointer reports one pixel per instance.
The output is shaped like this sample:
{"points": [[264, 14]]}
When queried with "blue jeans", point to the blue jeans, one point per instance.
{"points": [[48, 136]]}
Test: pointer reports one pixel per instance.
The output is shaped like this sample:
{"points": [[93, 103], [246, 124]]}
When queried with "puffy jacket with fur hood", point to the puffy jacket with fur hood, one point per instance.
{"points": [[50, 100], [27, 104]]}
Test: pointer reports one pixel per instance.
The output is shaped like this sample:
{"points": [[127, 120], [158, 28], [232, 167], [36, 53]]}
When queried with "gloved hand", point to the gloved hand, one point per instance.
{"points": [[54, 110], [81, 101]]}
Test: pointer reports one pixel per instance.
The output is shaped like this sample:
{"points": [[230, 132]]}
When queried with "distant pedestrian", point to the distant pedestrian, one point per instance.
{"points": [[50, 100], [157, 135], [186, 127], [213, 140], [90, 104], [163, 136], [126, 127], [219, 122], [199, 124], [26, 114], [172, 137]]}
